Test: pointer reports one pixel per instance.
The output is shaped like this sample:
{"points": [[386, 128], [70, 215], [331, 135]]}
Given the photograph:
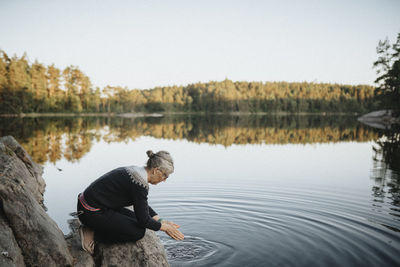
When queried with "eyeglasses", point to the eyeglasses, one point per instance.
{"points": [[165, 176]]}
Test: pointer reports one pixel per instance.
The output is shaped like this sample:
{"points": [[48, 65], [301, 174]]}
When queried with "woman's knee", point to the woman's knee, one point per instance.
{"points": [[140, 233]]}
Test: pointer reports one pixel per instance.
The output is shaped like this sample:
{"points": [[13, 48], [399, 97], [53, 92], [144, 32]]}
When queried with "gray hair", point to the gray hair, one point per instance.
{"points": [[162, 160]]}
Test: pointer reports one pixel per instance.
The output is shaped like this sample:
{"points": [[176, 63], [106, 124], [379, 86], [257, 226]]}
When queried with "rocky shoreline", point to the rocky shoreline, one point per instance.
{"points": [[29, 237]]}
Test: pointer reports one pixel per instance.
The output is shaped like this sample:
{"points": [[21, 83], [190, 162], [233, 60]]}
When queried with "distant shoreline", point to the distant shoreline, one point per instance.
{"points": [[127, 115], [161, 114]]}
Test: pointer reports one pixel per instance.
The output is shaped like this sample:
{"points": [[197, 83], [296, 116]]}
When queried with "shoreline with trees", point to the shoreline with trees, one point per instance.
{"points": [[32, 88], [162, 114], [387, 92]]}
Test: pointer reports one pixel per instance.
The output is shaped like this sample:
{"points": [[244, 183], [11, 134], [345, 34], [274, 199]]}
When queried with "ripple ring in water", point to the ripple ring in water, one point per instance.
{"points": [[195, 251]]}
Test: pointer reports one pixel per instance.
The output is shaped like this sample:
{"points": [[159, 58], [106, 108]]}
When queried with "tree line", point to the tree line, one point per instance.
{"points": [[35, 88]]}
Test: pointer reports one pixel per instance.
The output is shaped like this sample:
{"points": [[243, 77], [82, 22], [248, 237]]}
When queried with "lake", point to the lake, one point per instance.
{"points": [[247, 190]]}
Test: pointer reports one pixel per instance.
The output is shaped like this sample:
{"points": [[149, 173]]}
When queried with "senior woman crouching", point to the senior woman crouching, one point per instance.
{"points": [[101, 207]]}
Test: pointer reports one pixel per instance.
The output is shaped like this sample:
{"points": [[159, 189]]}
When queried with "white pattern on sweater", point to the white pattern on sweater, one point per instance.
{"points": [[138, 175]]}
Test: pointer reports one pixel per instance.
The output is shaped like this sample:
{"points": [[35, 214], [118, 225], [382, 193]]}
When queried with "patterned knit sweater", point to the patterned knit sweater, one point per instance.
{"points": [[121, 187]]}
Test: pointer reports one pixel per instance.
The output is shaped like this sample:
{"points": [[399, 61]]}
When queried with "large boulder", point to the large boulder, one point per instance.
{"points": [[81, 257], [15, 162], [147, 252], [21, 194], [11, 254]]}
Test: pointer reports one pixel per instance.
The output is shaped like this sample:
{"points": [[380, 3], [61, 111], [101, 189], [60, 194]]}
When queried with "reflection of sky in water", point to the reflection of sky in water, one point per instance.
{"points": [[252, 200], [342, 165]]}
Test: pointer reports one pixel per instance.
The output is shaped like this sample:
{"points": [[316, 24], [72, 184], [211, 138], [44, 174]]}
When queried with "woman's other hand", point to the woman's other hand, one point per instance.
{"points": [[171, 230]]}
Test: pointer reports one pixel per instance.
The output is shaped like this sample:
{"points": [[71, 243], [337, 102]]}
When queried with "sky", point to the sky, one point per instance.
{"points": [[147, 43]]}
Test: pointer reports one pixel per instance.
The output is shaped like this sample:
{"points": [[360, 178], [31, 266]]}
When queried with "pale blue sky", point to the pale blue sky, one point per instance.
{"points": [[147, 43]]}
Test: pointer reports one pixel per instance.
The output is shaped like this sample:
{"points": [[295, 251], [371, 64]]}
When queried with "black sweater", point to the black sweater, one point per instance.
{"points": [[123, 187]]}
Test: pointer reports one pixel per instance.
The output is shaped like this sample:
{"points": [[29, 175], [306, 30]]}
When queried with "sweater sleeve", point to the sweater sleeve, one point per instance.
{"points": [[142, 209], [152, 212]]}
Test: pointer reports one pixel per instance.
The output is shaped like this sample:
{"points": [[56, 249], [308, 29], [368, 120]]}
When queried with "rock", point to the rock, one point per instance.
{"points": [[81, 257], [147, 252], [21, 193], [382, 119], [15, 162], [11, 254]]}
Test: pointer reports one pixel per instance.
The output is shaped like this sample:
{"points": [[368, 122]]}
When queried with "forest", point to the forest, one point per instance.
{"points": [[27, 87]]}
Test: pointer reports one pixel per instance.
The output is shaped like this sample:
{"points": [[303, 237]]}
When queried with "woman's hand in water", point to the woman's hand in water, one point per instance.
{"points": [[172, 231], [172, 223]]}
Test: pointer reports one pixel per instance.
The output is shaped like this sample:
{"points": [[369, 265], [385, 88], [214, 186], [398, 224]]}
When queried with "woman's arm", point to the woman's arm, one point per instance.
{"points": [[152, 212], [142, 211], [157, 217]]}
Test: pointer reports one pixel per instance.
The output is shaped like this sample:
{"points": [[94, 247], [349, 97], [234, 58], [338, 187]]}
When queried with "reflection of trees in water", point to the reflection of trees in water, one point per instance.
{"points": [[50, 139], [386, 169], [386, 175]]}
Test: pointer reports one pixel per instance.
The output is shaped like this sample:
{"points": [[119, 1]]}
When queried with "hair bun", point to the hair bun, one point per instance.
{"points": [[150, 153]]}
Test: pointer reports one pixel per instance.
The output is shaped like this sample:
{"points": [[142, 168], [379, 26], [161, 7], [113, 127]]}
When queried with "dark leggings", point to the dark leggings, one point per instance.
{"points": [[112, 225]]}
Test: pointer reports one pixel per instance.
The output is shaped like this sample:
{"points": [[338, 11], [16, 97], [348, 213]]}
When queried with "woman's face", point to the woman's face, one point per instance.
{"points": [[158, 176]]}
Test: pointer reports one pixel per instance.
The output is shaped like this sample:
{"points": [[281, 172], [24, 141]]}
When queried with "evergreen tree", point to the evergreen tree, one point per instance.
{"points": [[19, 82], [84, 88], [388, 64], [39, 87], [71, 77], [55, 95], [4, 92]]}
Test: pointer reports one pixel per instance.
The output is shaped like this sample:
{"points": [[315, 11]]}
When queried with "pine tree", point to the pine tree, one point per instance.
{"points": [[20, 88], [55, 95], [71, 76], [4, 93], [39, 87], [388, 64]]}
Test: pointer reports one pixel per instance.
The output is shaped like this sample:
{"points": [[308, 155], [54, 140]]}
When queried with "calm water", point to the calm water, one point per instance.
{"points": [[247, 191]]}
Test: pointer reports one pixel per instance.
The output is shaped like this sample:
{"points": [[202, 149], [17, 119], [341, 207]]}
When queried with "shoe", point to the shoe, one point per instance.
{"points": [[87, 240]]}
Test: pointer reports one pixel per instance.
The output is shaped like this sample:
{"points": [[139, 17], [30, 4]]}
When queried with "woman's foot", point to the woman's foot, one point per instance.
{"points": [[87, 238]]}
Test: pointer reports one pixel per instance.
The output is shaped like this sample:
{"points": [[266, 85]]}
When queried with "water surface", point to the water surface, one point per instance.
{"points": [[247, 191]]}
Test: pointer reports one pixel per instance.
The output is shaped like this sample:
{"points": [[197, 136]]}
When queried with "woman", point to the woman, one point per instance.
{"points": [[101, 207]]}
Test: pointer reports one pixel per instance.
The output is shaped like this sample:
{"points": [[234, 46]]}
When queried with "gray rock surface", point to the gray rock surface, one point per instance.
{"points": [[147, 252], [381, 119], [21, 193], [11, 254], [81, 257], [15, 162]]}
